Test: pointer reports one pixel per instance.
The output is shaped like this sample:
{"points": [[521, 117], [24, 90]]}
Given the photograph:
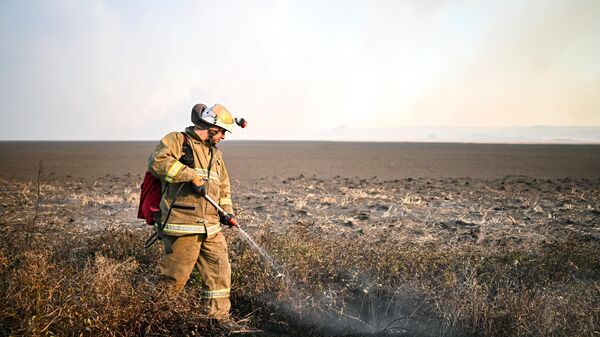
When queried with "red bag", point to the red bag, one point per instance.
{"points": [[149, 198], [151, 188]]}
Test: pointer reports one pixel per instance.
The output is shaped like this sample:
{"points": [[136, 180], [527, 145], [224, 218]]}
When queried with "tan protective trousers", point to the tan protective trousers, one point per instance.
{"points": [[209, 255]]}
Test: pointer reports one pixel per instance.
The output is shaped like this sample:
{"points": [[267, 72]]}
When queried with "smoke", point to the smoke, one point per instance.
{"points": [[130, 71], [528, 64], [356, 305], [367, 311], [378, 311]]}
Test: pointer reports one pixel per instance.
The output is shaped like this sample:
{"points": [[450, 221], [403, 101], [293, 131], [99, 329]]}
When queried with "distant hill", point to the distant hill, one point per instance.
{"points": [[529, 134]]}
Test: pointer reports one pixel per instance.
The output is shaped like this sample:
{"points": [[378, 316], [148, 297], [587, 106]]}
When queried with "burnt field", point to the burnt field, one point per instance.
{"points": [[372, 239]]}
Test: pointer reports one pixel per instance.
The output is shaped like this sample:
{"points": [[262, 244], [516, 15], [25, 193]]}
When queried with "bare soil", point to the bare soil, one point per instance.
{"points": [[250, 160]]}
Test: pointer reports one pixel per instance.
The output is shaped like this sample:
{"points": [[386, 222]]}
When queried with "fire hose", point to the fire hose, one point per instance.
{"points": [[226, 218]]}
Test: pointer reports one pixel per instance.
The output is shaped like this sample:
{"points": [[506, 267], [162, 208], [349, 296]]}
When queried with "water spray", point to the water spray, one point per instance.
{"points": [[264, 254], [229, 220]]}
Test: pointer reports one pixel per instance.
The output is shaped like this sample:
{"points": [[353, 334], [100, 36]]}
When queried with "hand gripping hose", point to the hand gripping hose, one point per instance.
{"points": [[226, 218]]}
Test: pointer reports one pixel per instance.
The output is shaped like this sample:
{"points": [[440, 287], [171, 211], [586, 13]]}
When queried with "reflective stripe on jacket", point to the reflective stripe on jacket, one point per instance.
{"points": [[191, 214], [182, 229]]}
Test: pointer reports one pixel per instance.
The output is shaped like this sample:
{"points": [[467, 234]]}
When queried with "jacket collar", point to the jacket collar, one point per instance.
{"points": [[190, 132]]}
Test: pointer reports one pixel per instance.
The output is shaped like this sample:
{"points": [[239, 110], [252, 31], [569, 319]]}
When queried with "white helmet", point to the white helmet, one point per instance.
{"points": [[217, 115]]}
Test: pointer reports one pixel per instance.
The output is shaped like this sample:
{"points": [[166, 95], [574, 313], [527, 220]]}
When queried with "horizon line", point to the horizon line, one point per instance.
{"points": [[482, 142]]}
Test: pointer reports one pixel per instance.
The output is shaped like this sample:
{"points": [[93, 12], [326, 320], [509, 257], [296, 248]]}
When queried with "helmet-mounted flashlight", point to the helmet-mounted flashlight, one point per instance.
{"points": [[241, 122]]}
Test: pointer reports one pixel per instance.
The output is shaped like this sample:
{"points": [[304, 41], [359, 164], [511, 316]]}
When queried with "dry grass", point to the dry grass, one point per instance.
{"points": [[101, 285], [74, 280], [553, 291]]}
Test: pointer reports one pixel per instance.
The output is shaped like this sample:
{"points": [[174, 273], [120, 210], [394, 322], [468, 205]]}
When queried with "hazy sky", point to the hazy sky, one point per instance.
{"points": [[133, 69]]}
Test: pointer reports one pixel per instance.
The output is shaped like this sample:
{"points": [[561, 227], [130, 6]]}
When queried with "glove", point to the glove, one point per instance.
{"points": [[229, 220], [198, 184]]}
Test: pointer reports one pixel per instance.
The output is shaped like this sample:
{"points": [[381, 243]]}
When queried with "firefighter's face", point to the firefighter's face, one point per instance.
{"points": [[216, 135]]}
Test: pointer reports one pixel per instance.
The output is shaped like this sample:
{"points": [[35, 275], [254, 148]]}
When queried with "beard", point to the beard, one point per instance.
{"points": [[211, 136]]}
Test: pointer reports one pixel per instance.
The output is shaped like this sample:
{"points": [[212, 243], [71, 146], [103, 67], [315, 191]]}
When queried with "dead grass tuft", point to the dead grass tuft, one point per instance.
{"points": [[98, 285]]}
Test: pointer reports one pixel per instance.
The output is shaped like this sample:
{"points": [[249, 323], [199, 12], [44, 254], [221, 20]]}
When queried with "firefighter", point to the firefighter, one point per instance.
{"points": [[189, 164]]}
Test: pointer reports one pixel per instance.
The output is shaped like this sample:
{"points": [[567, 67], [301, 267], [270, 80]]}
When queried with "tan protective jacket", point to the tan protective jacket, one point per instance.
{"points": [[191, 213]]}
